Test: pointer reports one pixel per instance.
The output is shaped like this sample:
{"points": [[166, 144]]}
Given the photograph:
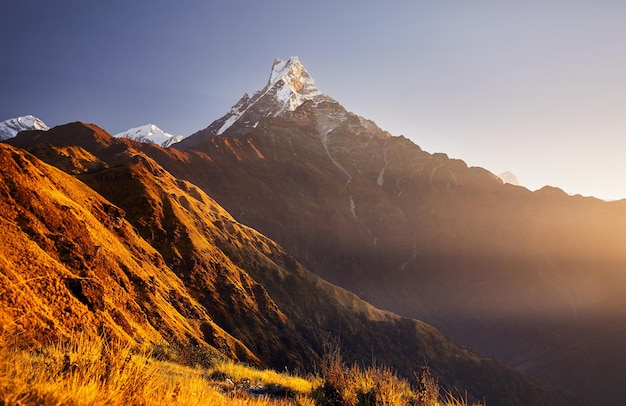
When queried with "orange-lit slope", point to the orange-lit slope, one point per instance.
{"points": [[71, 264]]}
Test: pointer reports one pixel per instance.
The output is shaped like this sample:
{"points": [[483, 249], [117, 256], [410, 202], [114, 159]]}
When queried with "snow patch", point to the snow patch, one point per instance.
{"points": [[509, 177], [381, 175], [352, 207], [229, 122], [432, 174], [325, 138]]}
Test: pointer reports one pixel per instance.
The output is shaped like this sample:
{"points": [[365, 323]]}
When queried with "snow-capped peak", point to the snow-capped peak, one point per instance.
{"points": [[10, 128], [150, 133], [288, 87], [294, 82], [509, 177]]}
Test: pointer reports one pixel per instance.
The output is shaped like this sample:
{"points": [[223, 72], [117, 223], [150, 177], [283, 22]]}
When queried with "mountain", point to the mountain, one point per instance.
{"points": [[509, 177], [287, 88], [150, 133], [127, 246], [10, 128], [535, 279]]}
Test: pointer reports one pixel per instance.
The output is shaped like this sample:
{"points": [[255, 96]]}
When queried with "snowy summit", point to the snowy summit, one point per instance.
{"points": [[293, 83], [10, 128], [150, 133], [289, 86]]}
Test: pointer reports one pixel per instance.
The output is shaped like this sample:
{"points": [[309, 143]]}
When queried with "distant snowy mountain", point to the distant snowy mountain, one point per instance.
{"points": [[509, 177], [10, 128], [150, 133]]}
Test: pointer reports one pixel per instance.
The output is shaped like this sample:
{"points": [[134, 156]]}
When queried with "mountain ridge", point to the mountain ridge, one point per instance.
{"points": [[172, 215], [92, 273]]}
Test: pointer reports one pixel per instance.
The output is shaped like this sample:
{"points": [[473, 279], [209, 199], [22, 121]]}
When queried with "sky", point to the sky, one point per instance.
{"points": [[537, 88]]}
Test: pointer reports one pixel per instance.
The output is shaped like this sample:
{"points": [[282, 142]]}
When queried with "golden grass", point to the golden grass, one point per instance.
{"points": [[91, 371], [279, 382]]}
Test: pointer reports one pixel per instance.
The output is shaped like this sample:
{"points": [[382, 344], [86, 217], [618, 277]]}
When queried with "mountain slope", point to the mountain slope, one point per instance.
{"points": [[256, 291], [534, 279], [70, 263]]}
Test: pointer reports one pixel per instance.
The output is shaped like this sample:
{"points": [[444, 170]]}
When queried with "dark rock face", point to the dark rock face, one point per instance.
{"points": [[89, 292]]}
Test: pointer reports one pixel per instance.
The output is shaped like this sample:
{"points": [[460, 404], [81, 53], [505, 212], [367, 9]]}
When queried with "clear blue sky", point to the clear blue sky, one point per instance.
{"points": [[537, 88]]}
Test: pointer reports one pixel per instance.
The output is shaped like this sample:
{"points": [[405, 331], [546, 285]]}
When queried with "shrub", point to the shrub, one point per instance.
{"points": [[374, 385]]}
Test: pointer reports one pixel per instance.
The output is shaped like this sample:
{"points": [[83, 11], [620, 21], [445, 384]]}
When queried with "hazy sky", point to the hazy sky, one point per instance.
{"points": [[537, 88]]}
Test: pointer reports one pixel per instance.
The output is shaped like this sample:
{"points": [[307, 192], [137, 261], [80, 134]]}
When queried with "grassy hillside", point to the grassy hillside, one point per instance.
{"points": [[69, 262]]}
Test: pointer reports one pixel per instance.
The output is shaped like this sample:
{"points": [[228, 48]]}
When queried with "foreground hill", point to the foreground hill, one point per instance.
{"points": [[536, 279], [217, 284], [71, 263]]}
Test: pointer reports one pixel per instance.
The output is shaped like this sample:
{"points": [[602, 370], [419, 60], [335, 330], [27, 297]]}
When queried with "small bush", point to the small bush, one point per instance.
{"points": [[374, 386], [427, 390]]}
